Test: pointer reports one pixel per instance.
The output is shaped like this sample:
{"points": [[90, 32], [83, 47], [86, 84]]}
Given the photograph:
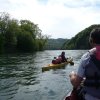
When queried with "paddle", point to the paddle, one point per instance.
{"points": [[71, 63], [70, 60]]}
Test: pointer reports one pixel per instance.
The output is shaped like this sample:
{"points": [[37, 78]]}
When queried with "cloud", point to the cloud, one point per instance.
{"points": [[58, 18]]}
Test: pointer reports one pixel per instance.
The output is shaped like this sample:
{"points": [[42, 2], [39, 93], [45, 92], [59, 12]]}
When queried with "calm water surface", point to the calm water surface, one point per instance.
{"points": [[21, 76]]}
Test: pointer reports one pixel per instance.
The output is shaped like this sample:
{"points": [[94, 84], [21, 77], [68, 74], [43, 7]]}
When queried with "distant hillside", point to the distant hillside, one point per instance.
{"points": [[81, 40], [55, 44]]}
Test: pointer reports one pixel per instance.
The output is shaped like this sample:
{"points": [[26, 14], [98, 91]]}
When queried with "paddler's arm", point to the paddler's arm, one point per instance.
{"points": [[75, 79]]}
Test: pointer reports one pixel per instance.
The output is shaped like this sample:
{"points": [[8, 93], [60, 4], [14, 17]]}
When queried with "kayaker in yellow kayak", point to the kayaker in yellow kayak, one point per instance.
{"points": [[60, 59]]}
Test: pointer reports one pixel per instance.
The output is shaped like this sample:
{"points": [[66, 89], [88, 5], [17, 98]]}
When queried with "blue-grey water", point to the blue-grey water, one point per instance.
{"points": [[21, 76]]}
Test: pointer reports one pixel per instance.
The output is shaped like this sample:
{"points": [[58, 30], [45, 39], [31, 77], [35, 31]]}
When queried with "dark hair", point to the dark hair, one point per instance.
{"points": [[95, 35], [63, 53]]}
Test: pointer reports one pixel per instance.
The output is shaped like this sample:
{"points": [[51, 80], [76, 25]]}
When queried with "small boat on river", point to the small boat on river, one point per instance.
{"points": [[57, 66]]}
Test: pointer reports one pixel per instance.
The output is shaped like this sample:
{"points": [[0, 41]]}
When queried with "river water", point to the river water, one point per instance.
{"points": [[21, 76]]}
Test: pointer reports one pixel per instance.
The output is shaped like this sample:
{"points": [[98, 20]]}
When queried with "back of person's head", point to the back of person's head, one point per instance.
{"points": [[95, 35], [63, 53]]}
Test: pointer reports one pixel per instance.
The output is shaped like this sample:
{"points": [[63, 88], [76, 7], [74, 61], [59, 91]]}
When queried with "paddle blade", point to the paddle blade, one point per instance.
{"points": [[71, 63]]}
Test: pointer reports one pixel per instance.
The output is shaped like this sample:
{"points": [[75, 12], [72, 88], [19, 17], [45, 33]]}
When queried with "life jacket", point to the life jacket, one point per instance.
{"points": [[92, 74], [63, 59], [59, 60], [54, 61]]}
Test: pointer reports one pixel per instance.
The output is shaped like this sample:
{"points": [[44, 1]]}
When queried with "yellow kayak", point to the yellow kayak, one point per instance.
{"points": [[55, 66]]}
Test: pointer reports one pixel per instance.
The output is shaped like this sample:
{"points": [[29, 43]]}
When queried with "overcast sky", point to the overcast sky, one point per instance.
{"points": [[58, 18]]}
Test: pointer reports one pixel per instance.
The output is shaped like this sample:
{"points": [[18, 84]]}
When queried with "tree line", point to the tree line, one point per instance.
{"points": [[20, 36], [55, 44], [81, 40]]}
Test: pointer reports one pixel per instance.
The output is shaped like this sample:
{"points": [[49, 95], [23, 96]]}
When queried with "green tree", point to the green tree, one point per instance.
{"points": [[8, 29], [10, 36], [25, 42], [30, 27], [1, 43], [21, 35]]}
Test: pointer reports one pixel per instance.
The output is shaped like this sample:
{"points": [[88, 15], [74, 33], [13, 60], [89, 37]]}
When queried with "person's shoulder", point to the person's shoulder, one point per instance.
{"points": [[84, 59], [92, 51], [86, 55]]}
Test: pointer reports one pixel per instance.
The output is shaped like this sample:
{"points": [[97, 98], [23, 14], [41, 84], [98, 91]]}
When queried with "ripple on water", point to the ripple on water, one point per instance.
{"points": [[8, 88]]}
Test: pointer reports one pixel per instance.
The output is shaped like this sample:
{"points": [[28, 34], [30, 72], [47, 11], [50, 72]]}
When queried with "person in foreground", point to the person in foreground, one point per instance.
{"points": [[89, 69]]}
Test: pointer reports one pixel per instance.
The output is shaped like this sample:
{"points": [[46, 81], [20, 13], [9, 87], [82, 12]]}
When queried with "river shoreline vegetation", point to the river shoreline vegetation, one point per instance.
{"points": [[20, 36], [55, 44], [81, 39], [79, 42], [25, 36]]}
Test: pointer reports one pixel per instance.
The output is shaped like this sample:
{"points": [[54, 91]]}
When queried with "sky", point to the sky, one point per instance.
{"points": [[56, 18]]}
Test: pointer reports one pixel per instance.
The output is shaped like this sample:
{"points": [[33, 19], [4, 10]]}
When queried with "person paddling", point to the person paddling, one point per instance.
{"points": [[89, 69], [63, 57]]}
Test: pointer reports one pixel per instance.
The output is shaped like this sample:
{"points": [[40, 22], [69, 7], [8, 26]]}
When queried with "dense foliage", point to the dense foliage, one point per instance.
{"points": [[81, 40], [55, 44], [23, 35]]}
